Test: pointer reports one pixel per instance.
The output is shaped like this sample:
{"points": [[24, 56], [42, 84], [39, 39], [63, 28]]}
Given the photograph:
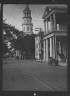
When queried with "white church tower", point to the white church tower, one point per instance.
{"points": [[27, 21]]}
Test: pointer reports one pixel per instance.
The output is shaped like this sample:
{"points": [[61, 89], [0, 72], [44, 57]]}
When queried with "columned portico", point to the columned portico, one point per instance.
{"points": [[55, 37], [49, 49]]}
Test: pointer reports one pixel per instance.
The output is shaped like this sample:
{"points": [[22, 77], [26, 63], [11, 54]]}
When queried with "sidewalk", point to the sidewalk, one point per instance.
{"points": [[59, 63], [62, 64]]}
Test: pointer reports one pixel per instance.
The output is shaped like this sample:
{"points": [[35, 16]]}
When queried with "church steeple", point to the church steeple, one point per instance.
{"points": [[27, 20]]}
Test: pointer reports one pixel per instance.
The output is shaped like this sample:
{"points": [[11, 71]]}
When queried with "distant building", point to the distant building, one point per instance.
{"points": [[39, 46], [18, 54], [27, 21], [55, 32]]}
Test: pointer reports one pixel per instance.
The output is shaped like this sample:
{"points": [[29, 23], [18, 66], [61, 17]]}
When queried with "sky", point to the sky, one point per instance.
{"points": [[14, 14]]}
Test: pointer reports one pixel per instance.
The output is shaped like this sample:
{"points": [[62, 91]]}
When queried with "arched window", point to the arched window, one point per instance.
{"points": [[27, 13], [27, 28]]}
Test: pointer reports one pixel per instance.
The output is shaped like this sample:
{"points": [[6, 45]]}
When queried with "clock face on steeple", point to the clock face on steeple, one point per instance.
{"points": [[27, 20]]}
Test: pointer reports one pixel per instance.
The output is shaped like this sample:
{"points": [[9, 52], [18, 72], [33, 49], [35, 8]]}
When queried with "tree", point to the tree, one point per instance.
{"points": [[10, 33], [19, 41], [26, 44], [5, 48]]}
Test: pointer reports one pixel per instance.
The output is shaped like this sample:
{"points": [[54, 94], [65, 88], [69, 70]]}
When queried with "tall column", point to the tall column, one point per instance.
{"points": [[64, 52], [50, 47], [47, 26], [44, 27], [51, 23], [46, 50], [59, 47], [53, 48], [54, 20]]}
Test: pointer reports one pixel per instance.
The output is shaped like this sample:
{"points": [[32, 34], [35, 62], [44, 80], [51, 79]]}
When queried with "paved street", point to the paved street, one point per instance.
{"points": [[31, 75]]}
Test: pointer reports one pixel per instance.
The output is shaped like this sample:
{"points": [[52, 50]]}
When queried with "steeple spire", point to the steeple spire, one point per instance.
{"points": [[26, 7]]}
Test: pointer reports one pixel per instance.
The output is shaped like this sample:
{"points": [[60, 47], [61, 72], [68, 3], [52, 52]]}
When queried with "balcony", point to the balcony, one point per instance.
{"points": [[61, 27], [58, 28]]}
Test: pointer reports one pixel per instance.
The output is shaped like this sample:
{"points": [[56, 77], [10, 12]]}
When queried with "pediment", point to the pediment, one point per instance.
{"points": [[45, 12]]}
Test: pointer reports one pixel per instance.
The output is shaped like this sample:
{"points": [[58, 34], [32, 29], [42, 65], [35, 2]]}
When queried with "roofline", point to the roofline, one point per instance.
{"points": [[57, 5], [53, 11], [60, 6]]}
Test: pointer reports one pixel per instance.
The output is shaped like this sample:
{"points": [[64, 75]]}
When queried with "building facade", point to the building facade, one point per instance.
{"points": [[17, 54], [39, 46], [55, 32], [27, 21]]}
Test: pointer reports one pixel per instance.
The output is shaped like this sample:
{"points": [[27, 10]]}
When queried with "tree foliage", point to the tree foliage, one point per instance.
{"points": [[9, 35], [26, 44], [10, 32], [19, 41], [4, 48]]}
